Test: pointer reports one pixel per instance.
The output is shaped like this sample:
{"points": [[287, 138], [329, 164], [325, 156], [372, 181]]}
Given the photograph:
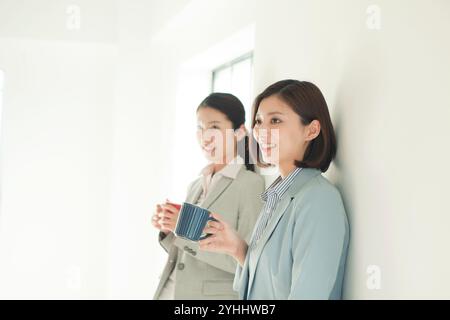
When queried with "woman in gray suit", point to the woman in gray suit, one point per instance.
{"points": [[229, 185], [299, 246]]}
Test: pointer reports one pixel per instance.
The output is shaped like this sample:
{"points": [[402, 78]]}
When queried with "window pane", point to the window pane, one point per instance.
{"points": [[222, 80], [237, 79], [241, 85]]}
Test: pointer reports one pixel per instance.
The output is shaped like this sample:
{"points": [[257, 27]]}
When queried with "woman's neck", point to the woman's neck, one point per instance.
{"points": [[220, 166], [286, 168]]}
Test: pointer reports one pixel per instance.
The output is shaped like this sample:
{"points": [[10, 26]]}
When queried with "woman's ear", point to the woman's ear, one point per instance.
{"points": [[313, 130], [240, 132]]}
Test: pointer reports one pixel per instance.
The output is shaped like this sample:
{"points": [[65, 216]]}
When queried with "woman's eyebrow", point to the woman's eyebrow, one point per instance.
{"points": [[214, 121], [270, 113]]}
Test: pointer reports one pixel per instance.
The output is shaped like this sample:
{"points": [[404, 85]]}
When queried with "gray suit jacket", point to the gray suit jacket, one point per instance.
{"points": [[207, 275], [302, 252]]}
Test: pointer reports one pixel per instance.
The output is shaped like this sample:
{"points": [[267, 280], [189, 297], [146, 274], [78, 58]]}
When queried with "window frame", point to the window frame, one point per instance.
{"points": [[230, 64]]}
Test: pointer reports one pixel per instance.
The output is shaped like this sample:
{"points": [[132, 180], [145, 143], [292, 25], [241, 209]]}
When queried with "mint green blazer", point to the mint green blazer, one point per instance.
{"points": [[302, 252]]}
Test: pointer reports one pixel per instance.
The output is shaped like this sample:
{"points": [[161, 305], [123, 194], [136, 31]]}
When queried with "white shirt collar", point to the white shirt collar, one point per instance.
{"points": [[231, 170]]}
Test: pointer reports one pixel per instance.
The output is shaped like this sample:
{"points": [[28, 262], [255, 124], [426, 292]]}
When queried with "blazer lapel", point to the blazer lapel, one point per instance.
{"points": [[195, 193], [304, 176], [276, 216], [216, 191]]}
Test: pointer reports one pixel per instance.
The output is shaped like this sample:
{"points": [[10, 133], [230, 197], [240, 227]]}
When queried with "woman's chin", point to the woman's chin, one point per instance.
{"points": [[211, 157], [270, 159]]}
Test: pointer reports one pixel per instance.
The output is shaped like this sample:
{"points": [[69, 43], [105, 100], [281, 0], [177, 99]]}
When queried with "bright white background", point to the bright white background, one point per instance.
{"points": [[91, 118]]}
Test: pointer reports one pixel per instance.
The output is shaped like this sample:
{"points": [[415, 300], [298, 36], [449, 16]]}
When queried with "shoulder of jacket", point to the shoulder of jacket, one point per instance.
{"points": [[193, 183], [320, 185], [250, 176], [319, 190]]}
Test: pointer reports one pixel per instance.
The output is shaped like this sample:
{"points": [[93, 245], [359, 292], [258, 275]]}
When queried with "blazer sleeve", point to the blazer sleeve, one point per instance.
{"points": [[240, 281], [250, 204], [250, 208], [237, 278], [166, 241], [241, 272], [318, 243]]}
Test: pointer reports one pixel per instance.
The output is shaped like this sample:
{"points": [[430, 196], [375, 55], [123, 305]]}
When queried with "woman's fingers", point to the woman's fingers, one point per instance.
{"points": [[169, 208], [215, 224], [164, 217], [176, 205], [165, 223], [155, 223], [169, 225], [213, 227], [166, 214], [210, 230], [216, 216], [208, 243]]}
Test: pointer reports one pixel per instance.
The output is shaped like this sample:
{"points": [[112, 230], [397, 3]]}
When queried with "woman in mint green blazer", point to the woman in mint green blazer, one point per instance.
{"points": [[298, 247]]}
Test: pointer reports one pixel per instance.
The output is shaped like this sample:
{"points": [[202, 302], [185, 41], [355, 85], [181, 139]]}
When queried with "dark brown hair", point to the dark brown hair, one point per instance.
{"points": [[308, 102], [234, 110]]}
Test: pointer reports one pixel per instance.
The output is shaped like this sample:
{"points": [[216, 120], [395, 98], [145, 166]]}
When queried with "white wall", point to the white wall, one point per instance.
{"points": [[386, 90], [56, 152], [143, 109], [87, 133], [388, 93]]}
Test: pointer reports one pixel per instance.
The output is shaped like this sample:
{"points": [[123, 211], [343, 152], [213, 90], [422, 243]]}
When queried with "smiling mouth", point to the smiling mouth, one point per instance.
{"points": [[209, 149], [267, 146]]}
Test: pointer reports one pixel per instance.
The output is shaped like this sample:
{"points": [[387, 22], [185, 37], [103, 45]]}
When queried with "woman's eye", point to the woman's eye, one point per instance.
{"points": [[215, 127], [275, 120], [258, 122]]}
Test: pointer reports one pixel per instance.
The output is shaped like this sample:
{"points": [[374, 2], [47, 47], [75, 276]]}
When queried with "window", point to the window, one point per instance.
{"points": [[236, 77], [196, 78]]}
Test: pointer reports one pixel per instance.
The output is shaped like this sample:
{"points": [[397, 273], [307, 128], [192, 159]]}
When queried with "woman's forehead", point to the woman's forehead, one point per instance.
{"points": [[207, 116], [273, 105], [210, 114]]}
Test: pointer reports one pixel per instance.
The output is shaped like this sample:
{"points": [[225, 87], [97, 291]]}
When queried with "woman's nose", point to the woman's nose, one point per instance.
{"points": [[262, 134], [206, 138]]}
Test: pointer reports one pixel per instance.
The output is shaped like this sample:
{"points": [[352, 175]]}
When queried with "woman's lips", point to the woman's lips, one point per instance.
{"points": [[267, 146], [208, 149]]}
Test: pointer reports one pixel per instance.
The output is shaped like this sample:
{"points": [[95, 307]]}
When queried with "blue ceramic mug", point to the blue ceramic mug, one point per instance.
{"points": [[191, 221]]}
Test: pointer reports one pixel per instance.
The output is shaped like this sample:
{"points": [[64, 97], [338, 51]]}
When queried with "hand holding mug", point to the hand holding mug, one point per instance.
{"points": [[155, 220], [166, 216], [223, 239], [169, 215]]}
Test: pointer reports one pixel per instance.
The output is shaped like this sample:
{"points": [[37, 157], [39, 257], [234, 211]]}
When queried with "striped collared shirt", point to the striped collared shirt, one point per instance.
{"points": [[272, 197]]}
